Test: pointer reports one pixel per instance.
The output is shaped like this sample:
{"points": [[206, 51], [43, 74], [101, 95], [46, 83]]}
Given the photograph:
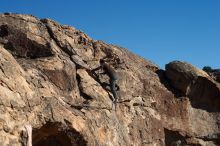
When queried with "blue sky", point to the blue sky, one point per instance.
{"points": [[158, 30]]}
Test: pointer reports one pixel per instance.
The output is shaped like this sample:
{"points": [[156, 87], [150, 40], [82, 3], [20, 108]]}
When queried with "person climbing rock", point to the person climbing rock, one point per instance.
{"points": [[110, 71]]}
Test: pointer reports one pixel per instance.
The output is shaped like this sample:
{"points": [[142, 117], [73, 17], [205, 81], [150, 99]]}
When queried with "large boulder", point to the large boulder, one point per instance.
{"points": [[202, 90]]}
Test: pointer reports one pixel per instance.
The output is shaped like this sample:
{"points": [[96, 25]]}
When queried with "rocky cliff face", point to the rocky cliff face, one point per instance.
{"points": [[46, 82]]}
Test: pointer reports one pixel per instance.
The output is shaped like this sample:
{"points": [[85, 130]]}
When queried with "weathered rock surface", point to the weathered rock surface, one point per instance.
{"points": [[46, 82]]}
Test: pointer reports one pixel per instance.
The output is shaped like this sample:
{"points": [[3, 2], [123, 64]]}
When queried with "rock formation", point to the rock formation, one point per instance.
{"points": [[46, 82]]}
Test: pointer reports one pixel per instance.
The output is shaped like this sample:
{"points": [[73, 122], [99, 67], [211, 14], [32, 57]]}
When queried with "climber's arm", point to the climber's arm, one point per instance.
{"points": [[98, 68], [104, 72], [94, 71]]}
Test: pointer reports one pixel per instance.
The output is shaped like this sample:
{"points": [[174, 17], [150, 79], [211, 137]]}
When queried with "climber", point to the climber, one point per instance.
{"points": [[109, 70]]}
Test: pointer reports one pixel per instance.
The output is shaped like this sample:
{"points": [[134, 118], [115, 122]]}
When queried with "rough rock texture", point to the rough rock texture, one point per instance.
{"points": [[46, 81]]}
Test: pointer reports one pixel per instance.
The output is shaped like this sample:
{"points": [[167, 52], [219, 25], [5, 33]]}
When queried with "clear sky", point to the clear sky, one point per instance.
{"points": [[158, 30]]}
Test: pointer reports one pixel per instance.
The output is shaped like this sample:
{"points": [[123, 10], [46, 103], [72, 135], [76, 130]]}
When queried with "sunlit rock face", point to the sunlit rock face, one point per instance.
{"points": [[46, 81]]}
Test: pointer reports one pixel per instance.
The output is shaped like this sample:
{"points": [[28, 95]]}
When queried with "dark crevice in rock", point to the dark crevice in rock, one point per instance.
{"points": [[85, 96], [166, 82], [3, 30], [124, 101], [3, 71], [9, 47], [67, 49], [173, 138], [79, 107], [57, 134], [215, 140]]}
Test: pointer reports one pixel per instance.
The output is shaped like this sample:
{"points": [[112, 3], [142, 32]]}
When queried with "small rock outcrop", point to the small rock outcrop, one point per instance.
{"points": [[46, 82]]}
